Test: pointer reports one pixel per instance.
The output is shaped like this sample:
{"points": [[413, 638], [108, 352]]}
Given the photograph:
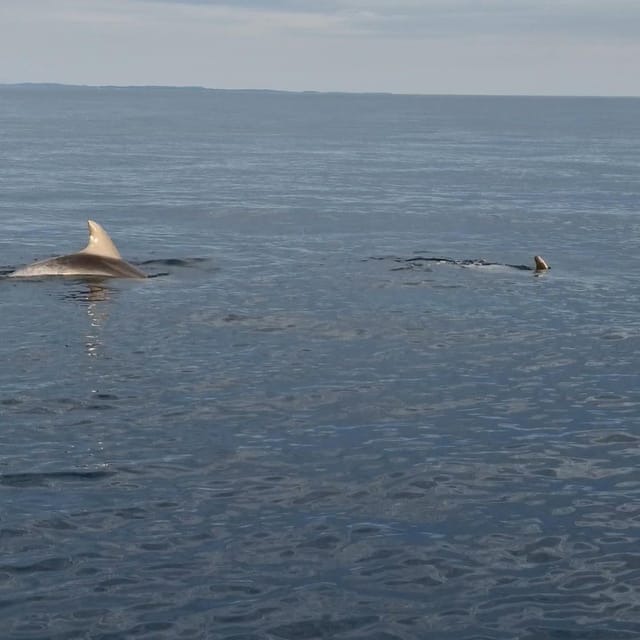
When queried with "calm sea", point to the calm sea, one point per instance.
{"points": [[298, 430]]}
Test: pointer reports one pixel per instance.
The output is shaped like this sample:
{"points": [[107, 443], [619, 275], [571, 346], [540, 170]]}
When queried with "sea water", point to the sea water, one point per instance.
{"points": [[296, 429]]}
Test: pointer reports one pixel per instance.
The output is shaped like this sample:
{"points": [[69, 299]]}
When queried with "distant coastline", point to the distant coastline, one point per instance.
{"points": [[153, 87], [37, 86]]}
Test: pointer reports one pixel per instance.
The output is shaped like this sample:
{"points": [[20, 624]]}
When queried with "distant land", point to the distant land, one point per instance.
{"points": [[36, 86]]}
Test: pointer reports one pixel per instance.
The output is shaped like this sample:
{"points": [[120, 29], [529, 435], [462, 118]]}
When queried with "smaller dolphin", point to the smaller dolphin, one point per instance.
{"points": [[539, 263], [99, 258]]}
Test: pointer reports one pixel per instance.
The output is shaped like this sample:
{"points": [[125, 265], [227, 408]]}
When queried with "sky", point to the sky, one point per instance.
{"points": [[521, 47]]}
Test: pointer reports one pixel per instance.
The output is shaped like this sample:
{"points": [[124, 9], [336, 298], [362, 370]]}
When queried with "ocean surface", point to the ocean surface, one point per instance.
{"points": [[304, 426]]}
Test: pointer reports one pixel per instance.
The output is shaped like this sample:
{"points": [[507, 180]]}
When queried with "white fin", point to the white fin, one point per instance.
{"points": [[100, 244]]}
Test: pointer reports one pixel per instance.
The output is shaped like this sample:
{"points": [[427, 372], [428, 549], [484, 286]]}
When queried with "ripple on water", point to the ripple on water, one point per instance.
{"points": [[289, 440]]}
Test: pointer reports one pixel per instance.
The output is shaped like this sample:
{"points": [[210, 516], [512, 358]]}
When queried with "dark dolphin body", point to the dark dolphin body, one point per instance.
{"points": [[539, 266], [539, 263]]}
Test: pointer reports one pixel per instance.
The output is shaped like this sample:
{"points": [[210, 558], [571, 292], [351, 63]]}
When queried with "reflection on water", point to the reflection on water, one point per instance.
{"points": [[95, 297]]}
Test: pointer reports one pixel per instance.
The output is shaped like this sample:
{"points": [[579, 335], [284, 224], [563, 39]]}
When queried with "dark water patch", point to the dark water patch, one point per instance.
{"points": [[322, 627], [323, 541], [316, 495], [569, 633], [11, 402], [236, 317], [110, 584], [609, 399], [253, 614], [12, 533], [618, 438], [48, 478], [47, 564], [175, 262], [618, 334], [64, 406], [233, 590], [271, 323], [57, 523], [87, 290], [7, 603]]}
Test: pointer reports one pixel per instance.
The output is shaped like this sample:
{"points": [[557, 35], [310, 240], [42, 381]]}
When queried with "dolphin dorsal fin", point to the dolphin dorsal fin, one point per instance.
{"points": [[100, 244], [541, 264]]}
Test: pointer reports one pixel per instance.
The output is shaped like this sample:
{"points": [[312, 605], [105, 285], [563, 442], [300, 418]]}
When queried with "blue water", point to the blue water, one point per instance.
{"points": [[296, 430]]}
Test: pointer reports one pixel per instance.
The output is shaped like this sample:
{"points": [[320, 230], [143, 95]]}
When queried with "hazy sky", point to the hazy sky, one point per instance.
{"points": [[565, 47]]}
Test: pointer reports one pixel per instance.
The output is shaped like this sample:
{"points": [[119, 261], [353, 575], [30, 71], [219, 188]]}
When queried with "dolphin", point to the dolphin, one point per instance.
{"points": [[540, 263], [99, 258]]}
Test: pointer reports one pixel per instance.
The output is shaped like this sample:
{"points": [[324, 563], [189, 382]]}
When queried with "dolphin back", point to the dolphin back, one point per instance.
{"points": [[100, 258], [80, 264]]}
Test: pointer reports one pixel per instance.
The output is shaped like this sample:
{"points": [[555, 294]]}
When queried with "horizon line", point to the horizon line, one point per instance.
{"points": [[36, 85]]}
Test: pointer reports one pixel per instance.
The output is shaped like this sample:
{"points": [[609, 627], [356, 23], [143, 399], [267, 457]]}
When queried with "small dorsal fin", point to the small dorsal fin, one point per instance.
{"points": [[541, 264], [100, 244]]}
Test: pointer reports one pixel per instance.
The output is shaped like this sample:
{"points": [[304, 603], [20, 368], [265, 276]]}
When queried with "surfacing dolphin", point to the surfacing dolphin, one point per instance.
{"points": [[99, 259], [539, 263]]}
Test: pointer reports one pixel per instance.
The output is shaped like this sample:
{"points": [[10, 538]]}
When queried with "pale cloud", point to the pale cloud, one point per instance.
{"points": [[402, 18], [451, 17]]}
